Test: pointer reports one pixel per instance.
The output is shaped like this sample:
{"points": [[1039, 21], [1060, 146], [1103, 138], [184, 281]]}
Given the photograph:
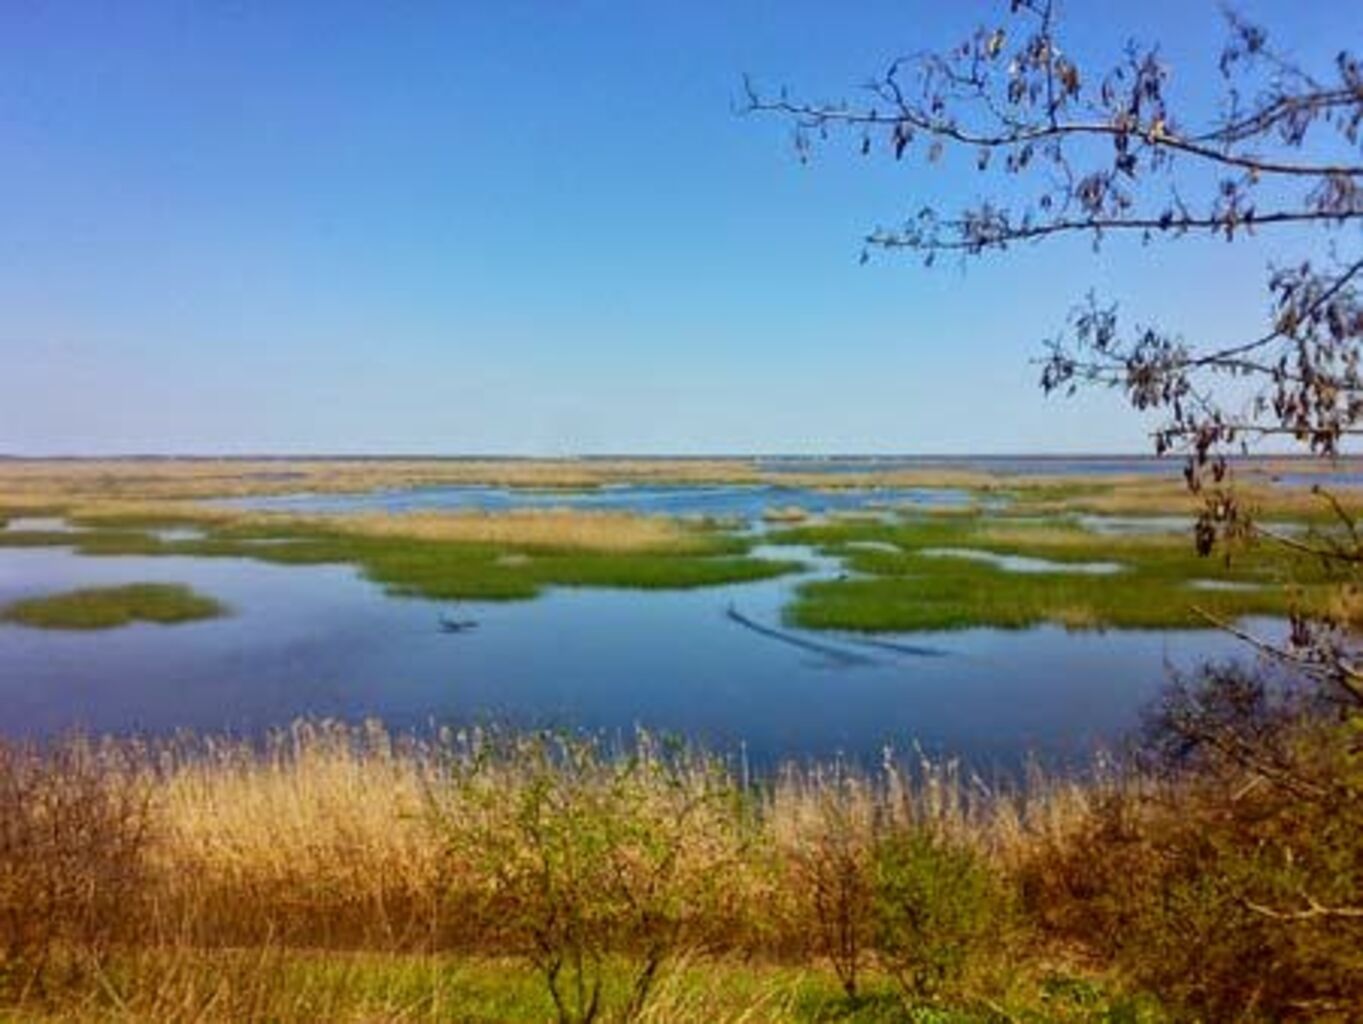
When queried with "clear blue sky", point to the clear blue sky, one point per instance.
{"points": [[529, 227]]}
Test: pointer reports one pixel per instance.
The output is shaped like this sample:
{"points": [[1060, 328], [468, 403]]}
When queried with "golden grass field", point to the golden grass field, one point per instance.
{"points": [[346, 873], [556, 528], [431, 853]]}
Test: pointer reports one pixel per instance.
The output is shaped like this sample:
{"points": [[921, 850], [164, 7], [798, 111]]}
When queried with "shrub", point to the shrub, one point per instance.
{"points": [[942, 915], [830, 871], [578, 855], [1231, 892], [73, 838]]}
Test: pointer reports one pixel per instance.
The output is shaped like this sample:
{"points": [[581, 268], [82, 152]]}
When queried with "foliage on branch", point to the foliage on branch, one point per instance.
{"points": [[1070, 148]]}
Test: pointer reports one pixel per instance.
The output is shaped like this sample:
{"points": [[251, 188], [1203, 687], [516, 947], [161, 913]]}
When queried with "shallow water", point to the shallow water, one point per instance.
{"points": [[172, 534], [1004, 464], [724, 501], [322, 641], [1121, 526], [1024, 563], [1326, 478], [38, 524], [1231, 585]]}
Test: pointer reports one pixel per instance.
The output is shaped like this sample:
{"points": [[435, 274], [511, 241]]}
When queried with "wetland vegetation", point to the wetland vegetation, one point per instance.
{"points": [[909, 739], [108, 607], [350, 873], [919, 575], [528, 558], [896, 579], [524, 875]]}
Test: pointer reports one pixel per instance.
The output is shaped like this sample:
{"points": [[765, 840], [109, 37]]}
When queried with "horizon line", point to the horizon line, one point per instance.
{"points": [[342, 456]]}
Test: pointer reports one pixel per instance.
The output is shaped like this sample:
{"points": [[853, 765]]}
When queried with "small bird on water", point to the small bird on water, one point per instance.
{"points": [[450, 623]]}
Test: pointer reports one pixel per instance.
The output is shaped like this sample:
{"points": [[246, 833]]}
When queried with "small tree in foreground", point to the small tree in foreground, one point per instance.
{"points": [[577, 855]]}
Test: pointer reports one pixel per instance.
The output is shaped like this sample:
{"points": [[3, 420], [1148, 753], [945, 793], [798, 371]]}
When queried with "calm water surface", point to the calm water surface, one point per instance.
{"points": [[1346, 473], [727, 501], [322, 641]]}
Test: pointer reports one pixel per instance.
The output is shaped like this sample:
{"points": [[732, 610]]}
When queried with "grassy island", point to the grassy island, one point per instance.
{"points": [[110, 607]]}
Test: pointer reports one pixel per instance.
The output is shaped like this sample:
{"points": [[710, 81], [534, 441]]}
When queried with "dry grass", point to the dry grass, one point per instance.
{"points": [[333, 834], [1143, 496], [351, 838], [45, 480], [345, 873], [38, 481], [326, 829], [40, 485], [549, 528], [557, 528], [169, 491]]}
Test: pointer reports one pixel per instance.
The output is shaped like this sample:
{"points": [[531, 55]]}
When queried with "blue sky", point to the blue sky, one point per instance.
{"points": [[533, 228]]}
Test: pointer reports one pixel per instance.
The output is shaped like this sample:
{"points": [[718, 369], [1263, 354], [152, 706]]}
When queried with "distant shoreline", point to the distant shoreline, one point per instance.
{"points": [[938, 459]]}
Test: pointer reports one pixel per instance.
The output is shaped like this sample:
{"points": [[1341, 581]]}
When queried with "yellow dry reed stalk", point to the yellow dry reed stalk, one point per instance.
{"points": [[200, 478], [331, 836], [546, 528], [324, 821]]}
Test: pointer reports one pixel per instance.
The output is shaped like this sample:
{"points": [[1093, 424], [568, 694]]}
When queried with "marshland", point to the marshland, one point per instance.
{"points": [[598, 610], [606, 512], [924, 683]]}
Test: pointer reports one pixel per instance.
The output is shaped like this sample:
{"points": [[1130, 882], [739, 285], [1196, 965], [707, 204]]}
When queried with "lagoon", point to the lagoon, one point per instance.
{"points": [[323, 641], [743, 502]]}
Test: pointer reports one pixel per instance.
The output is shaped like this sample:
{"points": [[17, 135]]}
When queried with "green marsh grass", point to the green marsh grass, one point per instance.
{"points": [[893, 586], [289, 986], [110, 607], [897, 586], [424, 567]]}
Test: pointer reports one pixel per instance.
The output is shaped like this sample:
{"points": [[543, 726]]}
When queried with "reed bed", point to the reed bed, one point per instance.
{"points": [[339, 872], [477, 843], [326, 834], [554, 528], [558, 528]]}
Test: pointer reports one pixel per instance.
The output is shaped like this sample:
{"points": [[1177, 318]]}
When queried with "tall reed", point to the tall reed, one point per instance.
{"points": [[128, 869]]}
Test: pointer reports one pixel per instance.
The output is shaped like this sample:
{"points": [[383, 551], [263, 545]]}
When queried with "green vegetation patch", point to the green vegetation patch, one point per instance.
{"points": [[900, 585], [35, 538], [109, 607], [463, 570], [436, 569], [302, 985]]}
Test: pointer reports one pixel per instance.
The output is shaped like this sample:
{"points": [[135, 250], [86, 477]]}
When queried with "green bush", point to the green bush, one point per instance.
{"points": [[576, 857], [942, 915]]}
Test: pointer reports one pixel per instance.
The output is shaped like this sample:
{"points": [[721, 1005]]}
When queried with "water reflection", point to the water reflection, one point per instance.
{"points": [[320, 640], [728, 501]]}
